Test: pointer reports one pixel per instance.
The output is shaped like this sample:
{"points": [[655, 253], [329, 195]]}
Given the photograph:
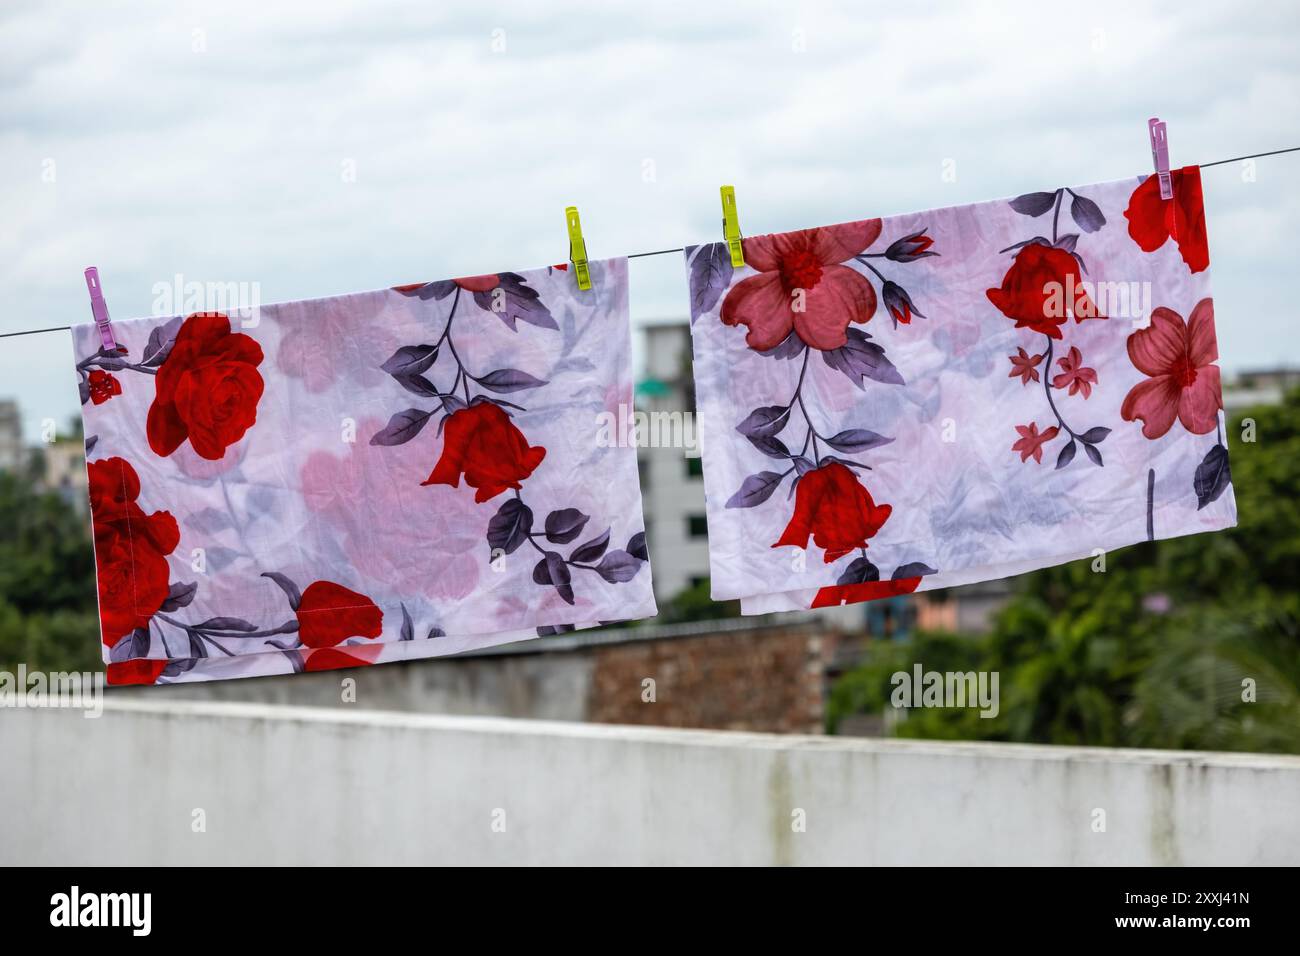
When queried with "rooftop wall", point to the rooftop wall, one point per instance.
{"points": [[306, 786]]}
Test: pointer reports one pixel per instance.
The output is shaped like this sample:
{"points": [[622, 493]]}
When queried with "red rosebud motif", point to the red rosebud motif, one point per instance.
{"points": [[832, 507], [131, 549], [837, 594], [141, 670], [910, 248], [1041, 288], [1184, 383], [802, 286], [103, 386], [329, 614], [483, 444], [207, 388], [1152, 221]]}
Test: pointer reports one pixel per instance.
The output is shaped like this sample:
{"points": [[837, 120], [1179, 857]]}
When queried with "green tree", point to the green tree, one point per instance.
{"points": [[1159, 650], [48, 609]]}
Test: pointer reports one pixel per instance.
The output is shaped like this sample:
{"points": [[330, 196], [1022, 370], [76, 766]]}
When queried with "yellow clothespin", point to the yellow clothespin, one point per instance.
{"points": [[731, 226], [577, 248]]}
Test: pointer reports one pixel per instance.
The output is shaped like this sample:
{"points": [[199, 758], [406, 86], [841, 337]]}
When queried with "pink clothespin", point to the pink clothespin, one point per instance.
{"points": [[1160, 155], [99, 309]]}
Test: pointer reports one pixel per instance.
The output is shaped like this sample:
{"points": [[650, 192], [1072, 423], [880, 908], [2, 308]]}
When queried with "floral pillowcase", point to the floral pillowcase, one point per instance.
{"points": [[927, 400], [389, 475]]}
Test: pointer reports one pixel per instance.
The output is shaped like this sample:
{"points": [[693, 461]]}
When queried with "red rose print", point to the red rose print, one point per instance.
{"points": [[483, 444], [837, 594], [1074, 374], [141, 670], [103, 386], [1035, 289], [1032, 440], [207, 389], [1024, 366], [131, 549], [833, 507], [329, 614], [1152, 220], [1183, 383], [833, 294], [332, 658]]}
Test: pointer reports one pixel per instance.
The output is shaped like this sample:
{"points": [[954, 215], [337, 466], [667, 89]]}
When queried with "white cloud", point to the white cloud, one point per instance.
{"points": [[226, 164]]}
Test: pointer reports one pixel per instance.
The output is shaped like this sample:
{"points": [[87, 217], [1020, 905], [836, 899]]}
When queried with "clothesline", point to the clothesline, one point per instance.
{"points": [[666, 252]]}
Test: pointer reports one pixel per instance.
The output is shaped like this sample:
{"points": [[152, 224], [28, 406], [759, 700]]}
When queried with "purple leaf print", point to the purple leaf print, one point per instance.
{"points": [[1033, 204], [287, 586], [402, 427], [856, 439], [755, 489], [564, 525], [764, 422], [1086, 213], [1212, 476], [711, 274], [591, 550], [636, 547], [509, 380], [513, 301], [914, 569], [510, 526], [858, 358], [160, 343], [552, 570], [618, 567], [411, 360], [179, 595]]}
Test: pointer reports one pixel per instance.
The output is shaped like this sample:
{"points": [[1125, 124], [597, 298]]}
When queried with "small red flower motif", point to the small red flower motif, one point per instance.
{"points": [[103, 386], [329, 614], [207, 388], [1024, 365], [1152, 221], [1074, 374], [1183, 382], [1040, 290], [141, 670], [837, 594], [1032, 440], [832, 507], [483, 444], [810, 261]]}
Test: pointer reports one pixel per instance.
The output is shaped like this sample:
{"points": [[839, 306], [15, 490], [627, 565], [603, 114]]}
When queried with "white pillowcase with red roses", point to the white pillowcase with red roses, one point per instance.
{"points": [[925, 400], [403, 473]]}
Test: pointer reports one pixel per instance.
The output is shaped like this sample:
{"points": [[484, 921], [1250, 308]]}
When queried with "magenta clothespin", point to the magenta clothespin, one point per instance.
{"points": [[1160, 155], [99, 309]]}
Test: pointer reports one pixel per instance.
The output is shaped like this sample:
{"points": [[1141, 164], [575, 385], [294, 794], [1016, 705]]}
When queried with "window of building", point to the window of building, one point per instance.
{"points": [[694, 467], [697, 526]]}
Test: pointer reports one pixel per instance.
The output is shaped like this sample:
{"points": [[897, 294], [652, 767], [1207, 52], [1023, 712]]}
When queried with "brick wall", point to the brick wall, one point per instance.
{"points": [[767, 679]]}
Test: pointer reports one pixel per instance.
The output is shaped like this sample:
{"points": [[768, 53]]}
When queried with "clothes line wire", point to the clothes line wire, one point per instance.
{"points": [[666, 252]]}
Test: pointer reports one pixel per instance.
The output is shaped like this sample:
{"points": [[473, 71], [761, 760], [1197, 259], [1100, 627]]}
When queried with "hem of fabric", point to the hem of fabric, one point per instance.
{"points": [[800, 599], [277, 662]]}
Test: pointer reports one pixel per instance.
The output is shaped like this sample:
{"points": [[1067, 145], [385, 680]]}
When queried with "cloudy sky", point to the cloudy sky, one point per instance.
{"points": [[345, 146]]}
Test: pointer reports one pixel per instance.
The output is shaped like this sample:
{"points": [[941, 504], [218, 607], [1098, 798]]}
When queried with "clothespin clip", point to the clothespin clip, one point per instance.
{"points": [[99, 309], [1160, 155], [577, 248], [731, 226]]}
